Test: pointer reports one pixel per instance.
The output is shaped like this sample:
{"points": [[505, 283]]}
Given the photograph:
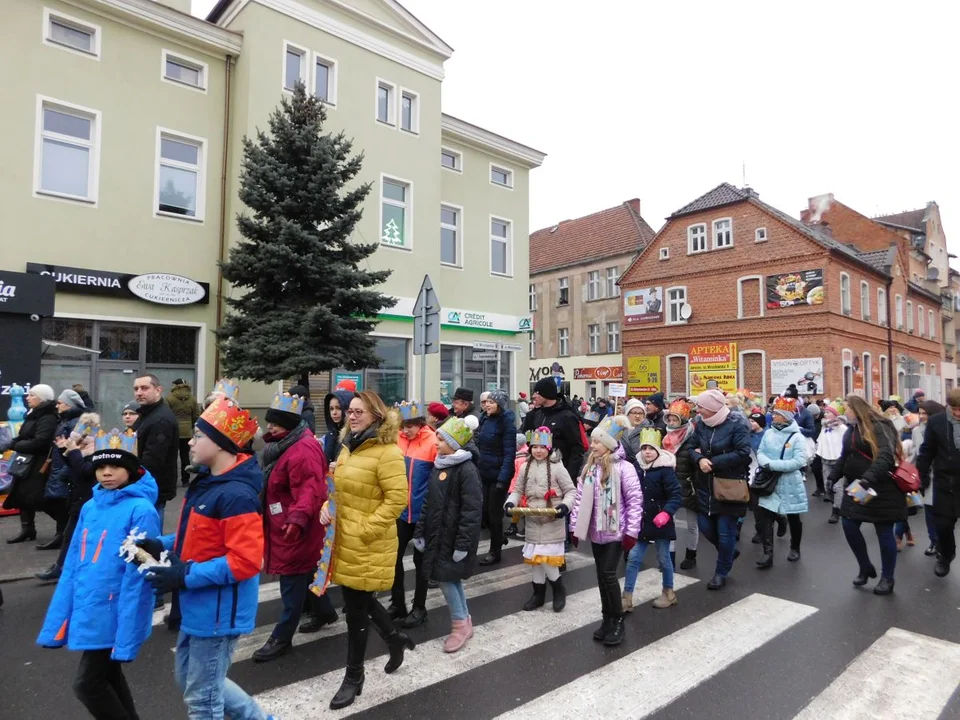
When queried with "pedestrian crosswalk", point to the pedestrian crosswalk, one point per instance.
{"points": [[701, 644]]}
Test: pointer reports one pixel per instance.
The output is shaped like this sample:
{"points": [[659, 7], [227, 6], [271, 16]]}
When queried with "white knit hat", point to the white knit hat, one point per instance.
{"points": [[633, 404], [44, 392]]}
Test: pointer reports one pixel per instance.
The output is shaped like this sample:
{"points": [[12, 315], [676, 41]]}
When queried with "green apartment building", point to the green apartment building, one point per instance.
{"points": [[120, 176]]}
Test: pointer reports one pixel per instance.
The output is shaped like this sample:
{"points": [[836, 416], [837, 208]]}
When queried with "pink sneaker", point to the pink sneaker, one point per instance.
{"points": [[459, 634]]}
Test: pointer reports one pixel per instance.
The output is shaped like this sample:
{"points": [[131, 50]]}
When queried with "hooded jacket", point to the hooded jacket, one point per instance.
{"points": [[185, 409], [370, 492], [331, 439], [661, 493], [631, 503], [569, 437], [221, 532], [535, 484], [101, 601], [450, 519], [418, 457], [789, 497], [496, 439], [158, 436], [938, 455], [727, 446], [35, 438]]}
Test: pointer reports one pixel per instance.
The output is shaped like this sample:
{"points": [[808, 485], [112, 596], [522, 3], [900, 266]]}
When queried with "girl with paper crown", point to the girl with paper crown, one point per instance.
{"points": [[546, 484], [608, 509]]}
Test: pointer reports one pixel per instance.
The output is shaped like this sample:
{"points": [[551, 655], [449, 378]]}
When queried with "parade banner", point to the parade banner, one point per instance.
{"points": [[805, 373], [796, 288], [643, 306], [643, 375]]}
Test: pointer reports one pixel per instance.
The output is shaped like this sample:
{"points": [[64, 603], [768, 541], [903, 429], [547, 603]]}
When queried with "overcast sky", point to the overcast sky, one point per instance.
{"points": [[663, 101]]}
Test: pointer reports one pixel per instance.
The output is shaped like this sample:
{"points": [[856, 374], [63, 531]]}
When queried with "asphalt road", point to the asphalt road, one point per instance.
{"points": [[770, 645]]}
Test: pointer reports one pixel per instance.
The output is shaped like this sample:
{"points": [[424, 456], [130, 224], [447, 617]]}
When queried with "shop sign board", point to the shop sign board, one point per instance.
{"points": [[26, 294], [166, 289], [602, 372], [726, 380], [805, 373], [804, 287], [713, 356], [357, 378], [159, 288], [643, 374]]}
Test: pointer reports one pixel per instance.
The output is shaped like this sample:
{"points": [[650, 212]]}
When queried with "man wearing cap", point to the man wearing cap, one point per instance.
{"points": [[186, 410], [555, 412], [463, 403], [129, 416]]}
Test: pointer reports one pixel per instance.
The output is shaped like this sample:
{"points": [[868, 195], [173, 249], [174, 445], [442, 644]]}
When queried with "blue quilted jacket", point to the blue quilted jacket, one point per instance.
{"points": [[790, 495]]}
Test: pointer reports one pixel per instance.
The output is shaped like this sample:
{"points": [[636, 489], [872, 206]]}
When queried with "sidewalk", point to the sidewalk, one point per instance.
{"points": [[22, 560]]}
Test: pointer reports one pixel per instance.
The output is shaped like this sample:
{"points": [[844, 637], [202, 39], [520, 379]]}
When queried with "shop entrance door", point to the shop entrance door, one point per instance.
{"points": [[114, 390]]}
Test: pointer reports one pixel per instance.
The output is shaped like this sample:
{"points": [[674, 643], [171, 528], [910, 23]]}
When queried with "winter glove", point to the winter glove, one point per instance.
{"points": [[507, 507], [292, 532], [419, 544], [562, 510], [168, 579], [661, 519], [459, 555], [152, 546], [574, 540], [628, 543]]}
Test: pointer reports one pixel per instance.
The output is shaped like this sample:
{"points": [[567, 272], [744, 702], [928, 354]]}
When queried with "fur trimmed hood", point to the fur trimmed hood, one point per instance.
{"points": [[387, 433], [665, 459]]}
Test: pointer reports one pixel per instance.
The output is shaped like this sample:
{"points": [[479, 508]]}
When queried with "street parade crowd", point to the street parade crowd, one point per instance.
{"points": [[343, 506]]}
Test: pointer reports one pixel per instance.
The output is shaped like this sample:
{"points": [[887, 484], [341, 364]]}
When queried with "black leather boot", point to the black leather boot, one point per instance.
{"points": [[766, 538], [54, 544], [491, 558], [559, 594], [884, 587], [27, 532], [690, 561], [397, 642], [51, 573], [601, 632], [538, 598], [614, 635], [352, 685], [271, 650]]}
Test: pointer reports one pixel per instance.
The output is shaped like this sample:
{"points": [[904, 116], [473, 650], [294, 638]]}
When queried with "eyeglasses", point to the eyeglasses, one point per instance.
{"points": [[355, 413]]}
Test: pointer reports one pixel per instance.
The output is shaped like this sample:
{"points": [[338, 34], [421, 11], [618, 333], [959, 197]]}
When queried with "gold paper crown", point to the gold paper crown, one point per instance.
{"points": [[650, 436], [409, 410], [231, 421], [613, 427], [115, 440], [680, 408], [786, 404], [287, 403], [228, 388], [540, 436]]}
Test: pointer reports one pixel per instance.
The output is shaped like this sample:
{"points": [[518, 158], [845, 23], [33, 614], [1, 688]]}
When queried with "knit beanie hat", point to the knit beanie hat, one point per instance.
{"points": [[132, 406], [759, 418], [546, 388], [456, 432], [44, 392], [69, 397], [791, 392], [521, 441], [610, 430], [299, 391], [501, 398], [285, 411], [116, 448], [438, 410], [711, 400], [634, 404], [657, 399]]}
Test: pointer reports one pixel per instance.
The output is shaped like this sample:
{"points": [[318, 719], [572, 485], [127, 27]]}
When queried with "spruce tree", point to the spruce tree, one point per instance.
{"points": [[302, 302]]}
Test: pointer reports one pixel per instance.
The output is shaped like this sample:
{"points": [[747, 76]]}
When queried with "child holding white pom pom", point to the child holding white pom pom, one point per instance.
{"points": [[102, 605]]}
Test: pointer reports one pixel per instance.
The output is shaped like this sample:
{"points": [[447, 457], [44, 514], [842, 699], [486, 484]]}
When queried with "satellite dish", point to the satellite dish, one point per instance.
{"points": [[686, 311]]}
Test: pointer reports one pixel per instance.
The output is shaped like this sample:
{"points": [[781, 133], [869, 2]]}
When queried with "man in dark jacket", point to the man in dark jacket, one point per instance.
{"points": [[555, 412], [157, 438], [940, 452], [186, 410], [309, 414], [654, 406], [463, 403]]}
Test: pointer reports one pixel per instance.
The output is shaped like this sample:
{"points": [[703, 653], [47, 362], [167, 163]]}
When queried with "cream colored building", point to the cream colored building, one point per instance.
{"points": [[121, 177]]}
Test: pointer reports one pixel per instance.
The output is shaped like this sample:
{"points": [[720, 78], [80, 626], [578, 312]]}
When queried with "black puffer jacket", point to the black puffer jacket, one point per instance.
{"points": [[569, 436], [857, 462], [450, 520], [35, 438], [939, 453], [158, 436], [728, 446]]}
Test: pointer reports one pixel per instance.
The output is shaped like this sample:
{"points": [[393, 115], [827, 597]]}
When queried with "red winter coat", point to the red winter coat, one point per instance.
{"points": [[296, 489]]}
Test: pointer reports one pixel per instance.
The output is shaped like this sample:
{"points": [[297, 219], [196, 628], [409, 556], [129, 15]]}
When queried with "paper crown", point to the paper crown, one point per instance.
{"points": [[614, 427], [680, 408], [787, 404], [287, 403], [650, 436], [230, 420], [228, 388], [115, 440], [84, 429], [540, 436], [592, 417], [409, 410]]}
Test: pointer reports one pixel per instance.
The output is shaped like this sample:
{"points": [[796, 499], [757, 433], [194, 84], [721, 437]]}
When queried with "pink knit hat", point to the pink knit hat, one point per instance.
{"points": [[710, 400]]}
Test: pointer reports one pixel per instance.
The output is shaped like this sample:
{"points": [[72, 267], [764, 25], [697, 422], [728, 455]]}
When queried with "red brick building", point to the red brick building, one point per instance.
{"points": [[734, 290]]}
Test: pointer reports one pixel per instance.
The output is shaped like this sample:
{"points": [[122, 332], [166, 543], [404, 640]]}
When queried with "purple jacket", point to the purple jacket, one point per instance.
{"points": [[631, 501]]}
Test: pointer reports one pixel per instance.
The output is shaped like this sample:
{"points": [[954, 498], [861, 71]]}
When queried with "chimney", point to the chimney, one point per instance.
{"points": [[751, 192], [634, 205], [825, 228], [183, 6]]}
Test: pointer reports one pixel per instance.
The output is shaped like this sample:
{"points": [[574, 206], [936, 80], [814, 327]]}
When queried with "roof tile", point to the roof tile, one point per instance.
{"points": [[722, 194], [912, 219]]}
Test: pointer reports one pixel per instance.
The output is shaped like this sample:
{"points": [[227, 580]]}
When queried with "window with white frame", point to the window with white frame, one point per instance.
{"points": [[760, 235], [898, 311], [613, 337], [533, 297], [325, 78], [696, 238], [563, 342], [451, 160], [881, 307], [920, 323], [864, 300], [294, 66], [68, 139], [593, 335], [450, 235], [909, 316], [613, 274], [868, 377], [533, 344], [71, 33], [409, 111], [501, 176], [676, 299], [182, 70], [386, 102], [395, 215], [884, 377], [593, 285], [563, 297], [501, 260], [931, 324], [664, 253], [845, 294], [722, 233], [180, 176]]}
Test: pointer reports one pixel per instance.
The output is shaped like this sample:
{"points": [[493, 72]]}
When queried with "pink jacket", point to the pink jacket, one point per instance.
{"points": [[631, 502]]}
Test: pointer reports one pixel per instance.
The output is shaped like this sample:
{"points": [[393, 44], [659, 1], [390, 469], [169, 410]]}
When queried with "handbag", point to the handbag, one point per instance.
{"points": [[731, 490], [905, 475], [21, 466], [765, 481]]}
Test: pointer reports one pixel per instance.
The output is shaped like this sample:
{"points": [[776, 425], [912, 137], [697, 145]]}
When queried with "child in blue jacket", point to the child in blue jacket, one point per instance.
{"points": [[102, 605]]}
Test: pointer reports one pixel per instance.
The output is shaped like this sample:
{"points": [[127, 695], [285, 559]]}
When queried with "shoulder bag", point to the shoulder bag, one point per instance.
{"points": [[905, 475], [765, 481], [729, 490]]}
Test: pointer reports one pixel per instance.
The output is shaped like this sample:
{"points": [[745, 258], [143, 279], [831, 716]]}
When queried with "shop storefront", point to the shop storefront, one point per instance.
{"points": [[587, 376]]}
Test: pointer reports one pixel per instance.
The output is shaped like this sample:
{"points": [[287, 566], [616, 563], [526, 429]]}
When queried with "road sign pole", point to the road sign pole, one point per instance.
{"points": [[423, 361], [499, 355]]}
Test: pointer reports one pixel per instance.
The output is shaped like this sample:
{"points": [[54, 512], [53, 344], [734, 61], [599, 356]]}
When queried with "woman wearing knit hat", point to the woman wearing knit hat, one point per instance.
{"points": [[783, 451], [496, 440], [448, 531], [678, 440], [608, 509], [437, 414], [721, 449]]}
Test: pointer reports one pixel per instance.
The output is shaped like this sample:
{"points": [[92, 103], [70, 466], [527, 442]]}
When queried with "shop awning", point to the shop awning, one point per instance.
{"points": [[67, 350]]}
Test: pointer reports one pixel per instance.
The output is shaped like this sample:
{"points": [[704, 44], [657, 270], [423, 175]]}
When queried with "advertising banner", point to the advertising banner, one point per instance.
{"points": [[643, 306], [796, 288], [726, 380], [805, 373], [643, 375], [598, 373]]}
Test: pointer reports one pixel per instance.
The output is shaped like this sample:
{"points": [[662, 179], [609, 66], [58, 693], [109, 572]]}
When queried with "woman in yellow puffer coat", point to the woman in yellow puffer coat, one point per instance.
{"points": [[370, 490]]}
